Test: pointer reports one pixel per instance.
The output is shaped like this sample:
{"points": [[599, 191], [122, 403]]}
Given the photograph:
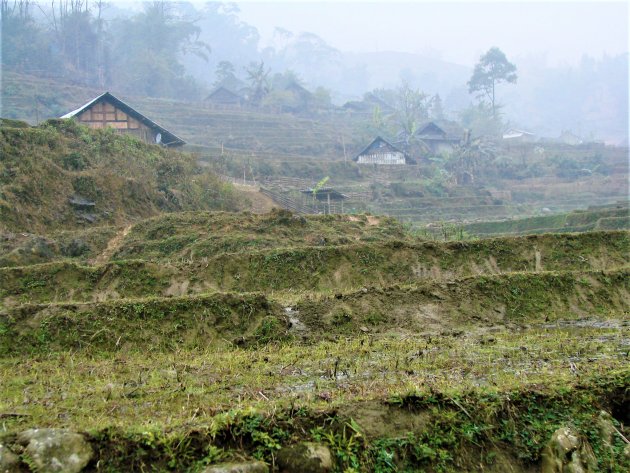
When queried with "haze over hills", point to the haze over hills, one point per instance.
{"points": [[587, 96]]}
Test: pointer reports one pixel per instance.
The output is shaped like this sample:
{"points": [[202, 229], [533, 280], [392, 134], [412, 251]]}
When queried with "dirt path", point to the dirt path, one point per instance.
{"points": [[261, 203], [112, 246]]}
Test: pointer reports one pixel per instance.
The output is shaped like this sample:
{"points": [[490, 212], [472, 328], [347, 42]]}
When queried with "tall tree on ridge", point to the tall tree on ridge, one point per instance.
{"points": [[492, 69]]}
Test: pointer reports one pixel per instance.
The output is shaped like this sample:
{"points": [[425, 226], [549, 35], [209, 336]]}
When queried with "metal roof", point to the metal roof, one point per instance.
{"points": [[168, 138]]}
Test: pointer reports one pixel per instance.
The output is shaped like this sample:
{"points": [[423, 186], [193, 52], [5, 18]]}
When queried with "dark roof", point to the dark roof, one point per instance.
{"points": [[357, 106], [380, 144], [374, 99], [168, 138], [440, 130], [324, 192], [367, 104], [224, 93], [231, 83], [297, 88]]}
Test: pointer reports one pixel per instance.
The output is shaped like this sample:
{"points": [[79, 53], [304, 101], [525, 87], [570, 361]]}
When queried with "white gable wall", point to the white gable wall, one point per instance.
{"points": [[382, 158]]}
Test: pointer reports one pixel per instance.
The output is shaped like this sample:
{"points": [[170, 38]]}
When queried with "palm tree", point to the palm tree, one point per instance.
{"points": [[257, 76]]}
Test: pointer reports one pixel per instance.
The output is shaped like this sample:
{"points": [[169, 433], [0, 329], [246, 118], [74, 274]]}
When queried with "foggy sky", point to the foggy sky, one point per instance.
{"points": [[459, 32]]}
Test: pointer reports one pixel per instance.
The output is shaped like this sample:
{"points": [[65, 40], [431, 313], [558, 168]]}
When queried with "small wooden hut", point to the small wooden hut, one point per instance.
{"points": [[109, 111], [329, 196]]}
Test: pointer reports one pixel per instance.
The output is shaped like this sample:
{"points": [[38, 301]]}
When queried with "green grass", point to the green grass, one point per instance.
{"points": [[501, 394], [614, 217], [43, 167], [303, 267], [211, 336], [171, 324]]}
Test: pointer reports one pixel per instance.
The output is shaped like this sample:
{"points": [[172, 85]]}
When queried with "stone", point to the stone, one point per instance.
{"points": [[566, 452], [606, 428], [56, 450], [306, 457], [245, 467], [9, 461]]}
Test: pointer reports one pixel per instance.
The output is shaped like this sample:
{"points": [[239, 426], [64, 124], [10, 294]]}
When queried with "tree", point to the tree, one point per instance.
{"points": [[411, 107], [258, 78], [148, 51], [23, 44], [482, 120], [225, 75], [437, 110], [492, 69]]}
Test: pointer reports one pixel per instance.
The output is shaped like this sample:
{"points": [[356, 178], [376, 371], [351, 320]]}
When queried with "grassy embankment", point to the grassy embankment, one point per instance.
{"points": [[187, 339], [60, 176], [395, 353]]}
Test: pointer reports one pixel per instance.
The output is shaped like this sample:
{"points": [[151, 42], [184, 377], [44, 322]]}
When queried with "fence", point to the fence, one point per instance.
{"points": [[290, 204]]}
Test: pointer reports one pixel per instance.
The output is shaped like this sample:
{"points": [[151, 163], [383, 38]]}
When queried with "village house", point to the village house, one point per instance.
{"points": [[109, 111], [381, 151], [369, 103], [301, 98], [440, 137], [569, 138], [223, 97]]}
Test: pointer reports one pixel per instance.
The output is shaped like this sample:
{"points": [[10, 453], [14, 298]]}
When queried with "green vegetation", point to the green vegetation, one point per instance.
{"points": [[441, 403], [608, 218], [191, 338], [186, 322], [60, 175], [393, 353], [296, 267]]}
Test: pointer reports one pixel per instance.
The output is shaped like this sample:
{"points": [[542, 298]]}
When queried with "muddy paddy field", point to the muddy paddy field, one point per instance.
{"points": [[208, 342]]}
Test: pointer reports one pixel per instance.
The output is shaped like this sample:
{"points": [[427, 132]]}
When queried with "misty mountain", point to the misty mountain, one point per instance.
{"points": [[590, 99], [388, 68], [173, 50]]}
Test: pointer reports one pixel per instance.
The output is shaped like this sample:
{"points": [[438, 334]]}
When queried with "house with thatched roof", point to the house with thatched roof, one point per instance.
{"points": [[107, 111]]}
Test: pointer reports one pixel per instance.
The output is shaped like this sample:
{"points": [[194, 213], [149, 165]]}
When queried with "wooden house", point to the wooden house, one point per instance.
{"points": [[440, 136], [381, 151], [367, 106], [223, 97], [109, 111], [301, 98], [569, 138]]}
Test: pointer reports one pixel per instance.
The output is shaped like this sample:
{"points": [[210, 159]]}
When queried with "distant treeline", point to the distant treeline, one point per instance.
{"points": [[77, 41], [180, 50]]}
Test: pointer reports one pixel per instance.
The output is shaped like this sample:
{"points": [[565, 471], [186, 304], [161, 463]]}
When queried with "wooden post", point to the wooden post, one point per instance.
{"points": [[328, 194]]}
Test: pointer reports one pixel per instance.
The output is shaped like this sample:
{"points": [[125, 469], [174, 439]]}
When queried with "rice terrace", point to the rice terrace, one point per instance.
{"points": [[232, 248]]}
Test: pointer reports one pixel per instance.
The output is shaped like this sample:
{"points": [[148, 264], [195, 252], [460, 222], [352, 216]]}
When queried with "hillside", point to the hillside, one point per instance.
{"points": [[194, 340], [204, 127], [59, 175], [288, 153], [147, 325]]}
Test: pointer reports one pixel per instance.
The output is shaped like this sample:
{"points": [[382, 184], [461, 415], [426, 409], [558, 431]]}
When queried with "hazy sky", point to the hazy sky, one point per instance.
{"points": [[455, 31]]}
